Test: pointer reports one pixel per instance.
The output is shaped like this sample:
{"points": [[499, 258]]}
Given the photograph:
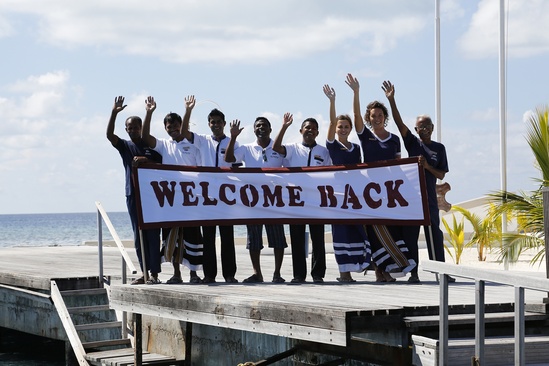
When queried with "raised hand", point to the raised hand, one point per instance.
{"points": [[389, 89], [118, 104], [190, 102], [235, 128], [150, 104], [352, 82], [330, 92], [288, 119]]}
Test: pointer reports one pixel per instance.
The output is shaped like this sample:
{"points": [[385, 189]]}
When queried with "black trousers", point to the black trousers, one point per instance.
{"points": [[299, 257], [228, 256]]}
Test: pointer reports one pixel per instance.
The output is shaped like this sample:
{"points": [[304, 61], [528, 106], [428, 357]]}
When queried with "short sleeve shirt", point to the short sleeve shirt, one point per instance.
{"points": [[212, 151], [254, 156], [435, 154], [341, 155], [128, 150], [178, 153], [374, 149], [298, 154]]}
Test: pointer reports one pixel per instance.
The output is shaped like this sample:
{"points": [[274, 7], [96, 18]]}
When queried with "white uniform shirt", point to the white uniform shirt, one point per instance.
{"points": [[212, 152], [254, 156], [178, 153], [299, 155]]}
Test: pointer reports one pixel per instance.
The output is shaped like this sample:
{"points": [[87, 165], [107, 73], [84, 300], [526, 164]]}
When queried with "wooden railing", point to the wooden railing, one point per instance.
{"points": [[480, 276]]}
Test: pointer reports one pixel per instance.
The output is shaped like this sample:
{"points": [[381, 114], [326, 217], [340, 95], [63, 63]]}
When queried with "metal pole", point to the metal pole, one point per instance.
{"points": [[502, 113], [437, 71], [432, 245], [545, 194], [479, 322], [520, 355], [443, 324], [100, 246]]}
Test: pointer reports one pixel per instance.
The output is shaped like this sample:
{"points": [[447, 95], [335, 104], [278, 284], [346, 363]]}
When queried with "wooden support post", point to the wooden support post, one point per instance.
{"points": [[188, 342], [138, 339]]}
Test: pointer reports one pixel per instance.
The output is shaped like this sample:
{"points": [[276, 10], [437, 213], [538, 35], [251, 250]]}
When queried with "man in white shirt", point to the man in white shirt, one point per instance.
{"points": [[212, 151], [259, 154], [177, 151], [303, 154]]}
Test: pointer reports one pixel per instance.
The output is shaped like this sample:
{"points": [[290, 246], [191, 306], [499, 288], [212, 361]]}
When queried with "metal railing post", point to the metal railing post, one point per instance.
{"points": [[100, 245], [520, 357], [443, 325], [545, 195], [479, 321]]}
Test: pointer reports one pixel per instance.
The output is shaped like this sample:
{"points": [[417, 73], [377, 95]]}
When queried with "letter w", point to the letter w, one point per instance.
{"points": [[163, 192]]}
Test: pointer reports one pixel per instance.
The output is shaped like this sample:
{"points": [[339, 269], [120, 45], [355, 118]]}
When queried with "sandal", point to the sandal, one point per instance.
{"points": [[153, 281], [174, 280], [278, 279], [139, 281], [253, 279], [345, 280]]}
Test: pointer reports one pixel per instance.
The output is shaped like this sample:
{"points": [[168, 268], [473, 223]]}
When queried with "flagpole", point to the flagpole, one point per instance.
{"points": [[502, 111], [437, 71]]}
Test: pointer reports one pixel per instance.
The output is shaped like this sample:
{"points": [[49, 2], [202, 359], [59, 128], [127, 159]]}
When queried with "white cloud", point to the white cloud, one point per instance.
{"points": [[526, 19], [487, 115], [224, 32]]}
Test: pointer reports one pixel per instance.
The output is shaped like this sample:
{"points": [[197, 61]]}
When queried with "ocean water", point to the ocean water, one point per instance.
{"points": [[54, 230], [65, 229], [58, 229]]}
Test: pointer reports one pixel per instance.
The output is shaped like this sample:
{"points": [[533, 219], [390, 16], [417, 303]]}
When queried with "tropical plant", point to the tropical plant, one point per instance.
{"points": [[527, 208], [456, 237], [486, 230], [528, 212]]}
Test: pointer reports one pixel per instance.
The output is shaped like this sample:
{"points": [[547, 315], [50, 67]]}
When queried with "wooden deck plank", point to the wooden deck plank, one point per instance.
{"points": [[293, 310]]}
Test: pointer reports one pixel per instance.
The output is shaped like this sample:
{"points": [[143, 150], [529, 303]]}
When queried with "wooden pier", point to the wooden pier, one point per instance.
{"points": [[363, 321]]}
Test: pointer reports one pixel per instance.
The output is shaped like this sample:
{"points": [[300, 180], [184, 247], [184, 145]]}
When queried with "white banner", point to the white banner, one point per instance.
{"points": [[384, 193]]}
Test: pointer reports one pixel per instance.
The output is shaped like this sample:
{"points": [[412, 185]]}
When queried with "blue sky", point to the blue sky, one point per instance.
{"points": [[65, 61]]}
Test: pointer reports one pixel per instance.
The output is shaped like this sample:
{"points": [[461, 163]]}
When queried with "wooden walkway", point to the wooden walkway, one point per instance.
{"points": [[328, 313]]}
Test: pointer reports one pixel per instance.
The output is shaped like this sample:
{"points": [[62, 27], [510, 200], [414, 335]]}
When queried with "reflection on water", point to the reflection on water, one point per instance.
{"points": [[21, 349]]}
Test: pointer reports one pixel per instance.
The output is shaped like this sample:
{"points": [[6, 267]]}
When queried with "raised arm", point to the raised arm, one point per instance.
{"points": [[189, 105], [277, 144], [150, 106], [389, 90], [353, 84], [331, 94], [235, 131], [117, 108]]}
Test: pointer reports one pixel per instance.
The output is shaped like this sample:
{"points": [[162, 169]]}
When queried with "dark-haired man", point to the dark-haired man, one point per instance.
{"points": [[212, 151], [259, 154], [177, 151], [130, 150], [305, 153]]}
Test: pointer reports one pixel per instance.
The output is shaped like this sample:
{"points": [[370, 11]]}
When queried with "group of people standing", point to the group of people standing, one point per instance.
{"points": [[391, 250]]}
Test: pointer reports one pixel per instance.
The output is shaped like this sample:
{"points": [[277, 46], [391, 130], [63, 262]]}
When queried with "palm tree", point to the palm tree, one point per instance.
{"points": [[456, 237], [486, 230], [527, 208]]}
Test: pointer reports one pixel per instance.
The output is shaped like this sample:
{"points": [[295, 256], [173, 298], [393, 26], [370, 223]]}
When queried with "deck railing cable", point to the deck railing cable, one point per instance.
{"points": [[480, 276]]}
